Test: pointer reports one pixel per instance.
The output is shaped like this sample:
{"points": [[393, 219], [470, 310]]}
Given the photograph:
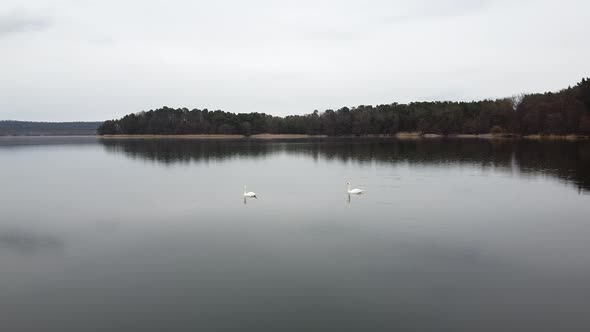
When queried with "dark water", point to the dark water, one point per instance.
{"points": [[154, 235]]}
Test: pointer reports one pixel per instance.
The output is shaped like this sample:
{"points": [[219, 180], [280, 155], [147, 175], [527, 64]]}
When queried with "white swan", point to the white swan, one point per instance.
{"points": [[249, 193], [354, 191]]}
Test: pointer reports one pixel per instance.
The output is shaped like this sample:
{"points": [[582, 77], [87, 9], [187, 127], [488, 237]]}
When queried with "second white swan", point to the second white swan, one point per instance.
{"points": [[354, 191], [249, 193]]}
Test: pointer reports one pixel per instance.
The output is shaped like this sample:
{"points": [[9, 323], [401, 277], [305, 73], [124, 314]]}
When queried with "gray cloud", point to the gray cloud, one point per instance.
{"points": [[19, 21], [24, 241], [440, 9]]}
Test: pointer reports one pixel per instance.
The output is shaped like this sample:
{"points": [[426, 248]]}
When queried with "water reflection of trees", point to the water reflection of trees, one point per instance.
{"points": [[569, 161]]}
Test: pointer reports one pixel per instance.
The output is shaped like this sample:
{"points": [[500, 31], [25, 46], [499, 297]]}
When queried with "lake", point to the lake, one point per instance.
{"points": [[154, 235]]}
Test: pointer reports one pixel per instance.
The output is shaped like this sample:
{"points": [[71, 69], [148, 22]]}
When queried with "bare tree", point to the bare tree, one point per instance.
{"points": [[516, 100]]}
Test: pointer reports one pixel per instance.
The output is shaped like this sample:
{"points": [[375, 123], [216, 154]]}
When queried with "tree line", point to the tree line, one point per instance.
{"points": [[28, 128], [563, 112]]}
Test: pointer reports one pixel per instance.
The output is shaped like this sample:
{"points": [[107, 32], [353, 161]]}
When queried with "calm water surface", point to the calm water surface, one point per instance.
{"points": [[154, 235]]}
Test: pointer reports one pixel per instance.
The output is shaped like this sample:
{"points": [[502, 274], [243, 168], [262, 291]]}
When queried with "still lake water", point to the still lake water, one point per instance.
{"points": [[154, 235]]}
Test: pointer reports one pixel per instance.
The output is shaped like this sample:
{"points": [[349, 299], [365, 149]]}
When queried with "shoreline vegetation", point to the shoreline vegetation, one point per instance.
{"points": [[32, 128], [216, 136], [401, 135], [552, 115]]}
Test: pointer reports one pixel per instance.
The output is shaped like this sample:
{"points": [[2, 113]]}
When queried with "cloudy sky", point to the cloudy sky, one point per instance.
{"points": [[66, 60]]}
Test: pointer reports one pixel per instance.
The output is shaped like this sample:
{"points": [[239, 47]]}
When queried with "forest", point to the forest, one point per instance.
{"points": [[30, 128], [551, 113]]}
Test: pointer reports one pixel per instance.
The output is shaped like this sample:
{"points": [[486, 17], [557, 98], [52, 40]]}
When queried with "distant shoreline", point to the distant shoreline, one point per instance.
{"points": [[215, 136], [401, 135], [171, 136], [418, 135]]}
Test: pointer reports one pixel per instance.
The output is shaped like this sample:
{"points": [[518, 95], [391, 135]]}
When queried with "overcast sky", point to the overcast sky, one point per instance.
{"points": [[94, 60]]}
